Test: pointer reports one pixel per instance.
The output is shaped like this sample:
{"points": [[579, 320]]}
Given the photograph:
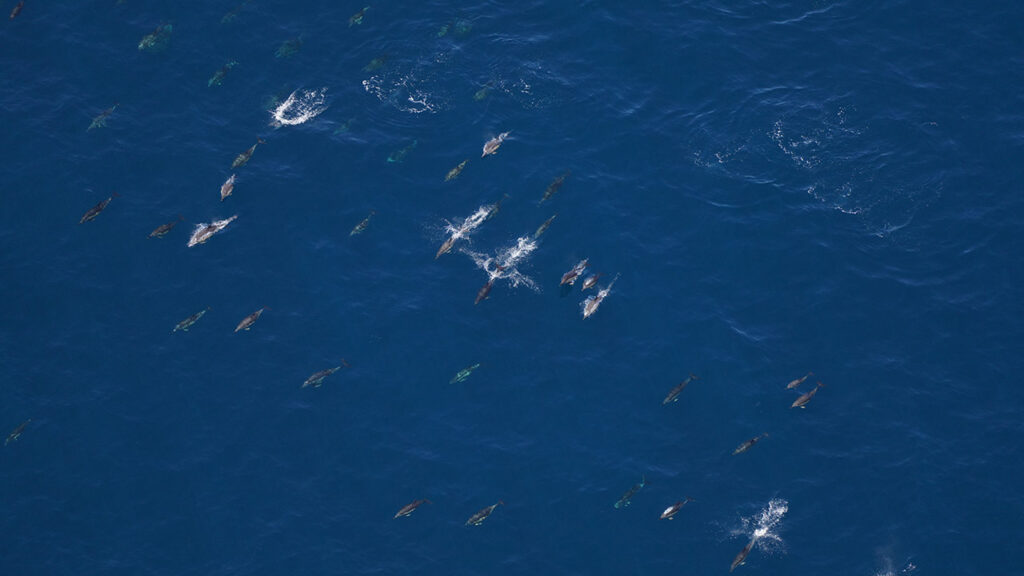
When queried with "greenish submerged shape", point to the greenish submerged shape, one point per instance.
{"points": [[158, 40], [218, 77], [399, 155], [288, 48], [463, 374]]}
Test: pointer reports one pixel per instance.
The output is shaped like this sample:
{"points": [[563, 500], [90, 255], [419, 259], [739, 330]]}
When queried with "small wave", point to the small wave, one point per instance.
{"points": [[843, 192], [720, 157], [889, 569], [299, 108], [849, 169], [802, 150], [405, 94], [532, 87]]}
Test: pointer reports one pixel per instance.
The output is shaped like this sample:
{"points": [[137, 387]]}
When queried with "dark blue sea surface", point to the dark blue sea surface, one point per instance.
{"points": [[781, 187]]}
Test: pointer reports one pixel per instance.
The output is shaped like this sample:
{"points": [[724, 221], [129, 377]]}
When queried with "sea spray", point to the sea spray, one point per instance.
{"points": [[300, 107], [760, 529], [462, 230], [503, 265]]}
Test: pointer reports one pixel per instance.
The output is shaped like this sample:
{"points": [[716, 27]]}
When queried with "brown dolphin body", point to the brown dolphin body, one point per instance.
{"points": [[249, 320], [318, 378], [552, 188], [544, 227], [493, 209], [357, 18], [244, 157], [673, 394], [227, 188], [742, 556], [591, 281], [446, 247], [748, 444], [482, 294], [187, 323], [95, 210], [671, 510], [492, 145], [591, 304], [101, 119], [17, 432], [625, 499], [204, 232], [806, 397], [454, 172], [798, 381], [361, 227], [162, 230], [478, 518], [411, 507], [571, 276]]}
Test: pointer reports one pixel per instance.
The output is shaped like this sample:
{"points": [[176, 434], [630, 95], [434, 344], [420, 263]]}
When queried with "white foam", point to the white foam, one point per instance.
{"points": [[760, 527], [503, 265], [470, 223], [404, 93], [769, 518], [300, 107], [888, 569], [591, 303]]}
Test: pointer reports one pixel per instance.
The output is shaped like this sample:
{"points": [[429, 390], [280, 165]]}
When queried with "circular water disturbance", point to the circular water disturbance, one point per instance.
{"points": [[300, 107]]}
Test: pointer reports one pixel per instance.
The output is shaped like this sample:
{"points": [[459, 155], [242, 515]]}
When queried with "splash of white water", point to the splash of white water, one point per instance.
{"points": [[760, 528], [404, 93], [504, 263], [469, 224], [301, 106], [590, 305], [889, 569]]}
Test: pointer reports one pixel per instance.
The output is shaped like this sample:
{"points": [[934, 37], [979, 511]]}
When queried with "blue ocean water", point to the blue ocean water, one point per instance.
{"points": [[782, 187]]}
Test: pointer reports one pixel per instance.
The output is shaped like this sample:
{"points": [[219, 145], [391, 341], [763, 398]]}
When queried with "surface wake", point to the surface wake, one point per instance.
{"points": [[300, 107]]}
